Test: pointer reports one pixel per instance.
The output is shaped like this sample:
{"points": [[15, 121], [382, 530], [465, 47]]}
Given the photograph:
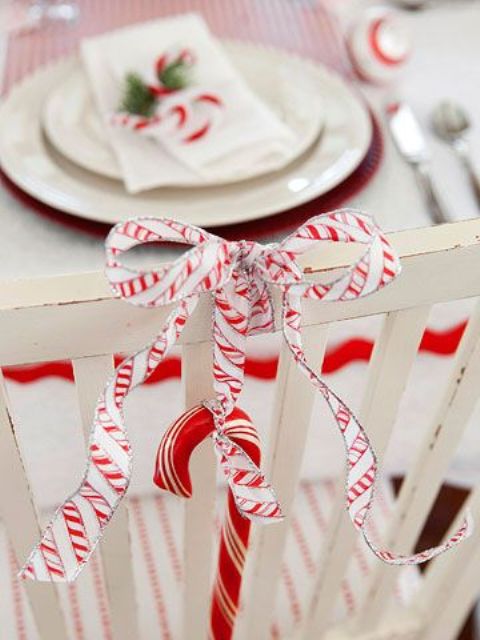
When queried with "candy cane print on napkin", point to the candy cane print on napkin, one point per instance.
{"points": [[187, 119], [168, 106], [240, 276], [172, 474]]}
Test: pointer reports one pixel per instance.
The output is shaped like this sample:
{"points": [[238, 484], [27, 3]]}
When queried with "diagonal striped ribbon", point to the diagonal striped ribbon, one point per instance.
{"points": [[239, 276]]}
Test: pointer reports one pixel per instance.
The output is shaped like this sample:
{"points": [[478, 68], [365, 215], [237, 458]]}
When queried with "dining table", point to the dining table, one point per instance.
{"points": [[35, 245]]}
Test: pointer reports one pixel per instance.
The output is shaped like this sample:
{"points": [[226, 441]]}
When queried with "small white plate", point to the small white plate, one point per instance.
{"points": [[36, 167], [288, 84]]}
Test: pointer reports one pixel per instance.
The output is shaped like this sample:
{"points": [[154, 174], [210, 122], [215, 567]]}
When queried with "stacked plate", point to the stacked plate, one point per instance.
{"points": [[53, 145]]}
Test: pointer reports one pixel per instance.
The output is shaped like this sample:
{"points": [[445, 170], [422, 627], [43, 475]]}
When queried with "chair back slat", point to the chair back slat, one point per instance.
{"points": [[18, 513], [451, 583], [293, 403], [200, 508], [431, 461], [392, 358], [91, 374], [119, 576]]}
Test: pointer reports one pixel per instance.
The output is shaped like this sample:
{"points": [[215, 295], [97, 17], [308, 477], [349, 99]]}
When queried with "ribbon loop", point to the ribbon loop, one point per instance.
{"points": [[240, 276], [376, 267], [203, 268]]}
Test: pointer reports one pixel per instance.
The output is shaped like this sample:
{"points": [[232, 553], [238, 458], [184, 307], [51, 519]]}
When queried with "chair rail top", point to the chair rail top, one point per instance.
{"points": [[440, 263], [91, 286]]}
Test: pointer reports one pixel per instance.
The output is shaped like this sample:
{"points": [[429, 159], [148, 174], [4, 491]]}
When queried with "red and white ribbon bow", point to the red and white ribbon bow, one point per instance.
{"points": [[240, 277]]}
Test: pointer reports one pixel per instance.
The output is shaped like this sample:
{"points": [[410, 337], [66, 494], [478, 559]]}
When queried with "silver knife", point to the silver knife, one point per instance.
{"points": [[410, 142]]}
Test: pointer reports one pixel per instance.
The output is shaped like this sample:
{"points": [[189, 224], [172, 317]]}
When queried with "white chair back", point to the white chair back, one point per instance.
{"points": [[75, 318]]}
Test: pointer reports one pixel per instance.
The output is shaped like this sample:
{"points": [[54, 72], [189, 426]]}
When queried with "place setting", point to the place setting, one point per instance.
{"points": [[215, 130]]}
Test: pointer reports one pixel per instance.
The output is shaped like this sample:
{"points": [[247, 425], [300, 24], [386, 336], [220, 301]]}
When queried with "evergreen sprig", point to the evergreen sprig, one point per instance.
{"points": [[137, 97], [176, 75]]}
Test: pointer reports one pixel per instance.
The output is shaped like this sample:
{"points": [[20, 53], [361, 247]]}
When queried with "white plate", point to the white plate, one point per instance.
{"points": [[288, 84], [34, 165]]}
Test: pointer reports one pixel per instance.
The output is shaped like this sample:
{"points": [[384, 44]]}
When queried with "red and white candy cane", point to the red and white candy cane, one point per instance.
{"points": [[240, 276], [172, 474]]}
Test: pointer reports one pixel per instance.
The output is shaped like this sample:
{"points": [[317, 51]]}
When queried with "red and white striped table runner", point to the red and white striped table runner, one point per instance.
{"points": [[156, 534], [305, 27]]}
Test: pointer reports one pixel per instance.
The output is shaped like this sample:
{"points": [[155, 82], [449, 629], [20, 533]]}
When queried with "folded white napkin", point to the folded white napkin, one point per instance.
{"points": [[244, 132]]}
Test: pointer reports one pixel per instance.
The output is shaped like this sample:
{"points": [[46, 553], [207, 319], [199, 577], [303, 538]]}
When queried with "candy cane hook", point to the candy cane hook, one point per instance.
{"points": [[172, 474]]}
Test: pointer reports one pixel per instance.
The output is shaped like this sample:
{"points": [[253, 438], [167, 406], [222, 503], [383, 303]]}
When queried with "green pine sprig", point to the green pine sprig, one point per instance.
{"points": [[176, 75], [137, 97]]}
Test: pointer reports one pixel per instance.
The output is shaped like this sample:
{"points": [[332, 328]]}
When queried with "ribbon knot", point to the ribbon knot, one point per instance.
{"points": [[248, 253], [240, 277]]}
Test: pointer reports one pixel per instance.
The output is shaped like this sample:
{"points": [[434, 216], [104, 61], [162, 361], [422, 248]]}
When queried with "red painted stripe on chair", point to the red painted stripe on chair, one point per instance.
{"points": [[442, 343]]}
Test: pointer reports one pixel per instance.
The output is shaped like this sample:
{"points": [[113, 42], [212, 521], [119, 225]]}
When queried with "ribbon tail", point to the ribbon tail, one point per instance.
{"points": [[254, 497], [77, 526], [462, 533], [361, 459]]}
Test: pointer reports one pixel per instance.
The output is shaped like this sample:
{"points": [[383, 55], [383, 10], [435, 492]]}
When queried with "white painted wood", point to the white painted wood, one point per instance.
{"points": [[424, 479], [444, 259], [294, 397], [429, 242], [199, 509], [18, 514], [91, 375], [391, 361], [400, 626], [451, 584]]}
